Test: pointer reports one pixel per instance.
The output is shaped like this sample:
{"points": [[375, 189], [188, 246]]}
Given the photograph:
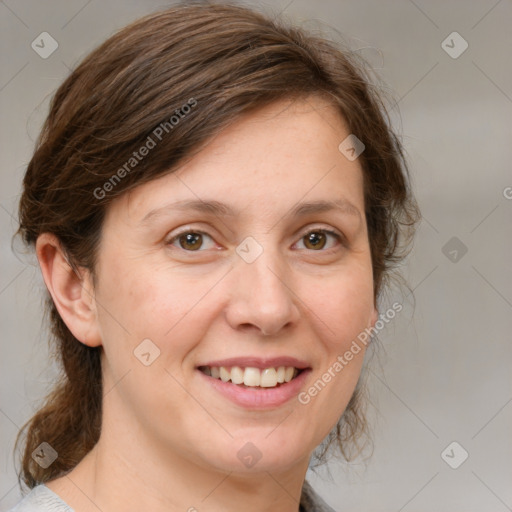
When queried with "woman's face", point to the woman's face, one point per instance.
{"points": [[228, 262]]}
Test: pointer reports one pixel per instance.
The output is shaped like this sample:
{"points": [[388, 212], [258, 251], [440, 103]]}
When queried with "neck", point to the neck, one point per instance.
{"points": [[125, 472]]}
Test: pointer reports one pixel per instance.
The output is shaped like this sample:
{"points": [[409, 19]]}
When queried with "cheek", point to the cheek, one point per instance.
{"points": [[343, 305], [342, 310], [152, 301], [138, 305], [131, 287]]}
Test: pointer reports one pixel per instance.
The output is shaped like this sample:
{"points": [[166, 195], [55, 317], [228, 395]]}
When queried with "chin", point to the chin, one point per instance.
{"points": [[263, 451]]}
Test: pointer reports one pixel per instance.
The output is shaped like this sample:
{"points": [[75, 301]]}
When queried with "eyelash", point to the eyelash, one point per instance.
{"points": [[334, 234]]}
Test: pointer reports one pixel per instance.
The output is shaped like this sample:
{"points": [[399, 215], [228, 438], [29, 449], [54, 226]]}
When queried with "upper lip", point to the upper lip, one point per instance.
{"points": [[258, 362]]}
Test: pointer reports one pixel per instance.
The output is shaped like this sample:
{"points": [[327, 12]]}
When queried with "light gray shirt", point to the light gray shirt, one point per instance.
{"points": [[43, 499]]}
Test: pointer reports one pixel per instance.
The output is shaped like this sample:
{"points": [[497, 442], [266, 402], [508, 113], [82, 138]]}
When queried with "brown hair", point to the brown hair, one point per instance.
{"points": [[222, 61]]}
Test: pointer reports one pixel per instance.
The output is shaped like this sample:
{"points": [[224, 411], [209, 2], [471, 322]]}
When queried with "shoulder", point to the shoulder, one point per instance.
{"points": [[310, 501], [41, 499]]}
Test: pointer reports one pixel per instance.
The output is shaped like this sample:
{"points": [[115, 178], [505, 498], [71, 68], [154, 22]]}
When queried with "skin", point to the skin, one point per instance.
{"points": [[169, 441]]}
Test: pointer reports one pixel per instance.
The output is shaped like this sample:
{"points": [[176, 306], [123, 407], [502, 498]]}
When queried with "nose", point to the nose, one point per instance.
{"points": [[262, 296]]}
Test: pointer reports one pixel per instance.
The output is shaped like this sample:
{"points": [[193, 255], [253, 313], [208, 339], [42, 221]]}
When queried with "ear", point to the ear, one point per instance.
{"points": [[71, 290]]}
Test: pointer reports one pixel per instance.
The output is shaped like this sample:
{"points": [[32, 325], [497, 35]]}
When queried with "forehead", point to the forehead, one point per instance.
{"points": [[265, 162]]}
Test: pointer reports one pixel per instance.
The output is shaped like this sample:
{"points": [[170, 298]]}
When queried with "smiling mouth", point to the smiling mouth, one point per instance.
{"points": [[251, 377]]}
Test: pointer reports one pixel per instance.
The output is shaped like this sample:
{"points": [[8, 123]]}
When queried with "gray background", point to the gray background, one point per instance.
{"points": [[444, 372]]}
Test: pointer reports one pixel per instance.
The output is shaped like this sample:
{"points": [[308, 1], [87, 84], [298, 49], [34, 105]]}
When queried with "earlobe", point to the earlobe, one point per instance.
{"points": [[71, 290]]}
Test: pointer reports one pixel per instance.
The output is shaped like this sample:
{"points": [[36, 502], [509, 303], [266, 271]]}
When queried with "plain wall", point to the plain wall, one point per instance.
{"points": [[444, 373]]}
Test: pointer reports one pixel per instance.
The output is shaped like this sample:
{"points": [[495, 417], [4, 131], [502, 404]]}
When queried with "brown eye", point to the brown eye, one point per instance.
{"points": [[317, 240], [191, 241]]}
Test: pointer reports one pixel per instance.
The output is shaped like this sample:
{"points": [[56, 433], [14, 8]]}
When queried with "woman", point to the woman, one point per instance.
{"points": [[216, 202]]}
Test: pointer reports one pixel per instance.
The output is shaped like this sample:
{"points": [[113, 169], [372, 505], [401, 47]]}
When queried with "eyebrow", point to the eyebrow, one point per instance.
{"points": [[217, 208]]}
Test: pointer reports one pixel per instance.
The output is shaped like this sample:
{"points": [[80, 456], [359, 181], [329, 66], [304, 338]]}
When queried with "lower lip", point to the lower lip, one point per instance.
{"points": [[256, 397]]}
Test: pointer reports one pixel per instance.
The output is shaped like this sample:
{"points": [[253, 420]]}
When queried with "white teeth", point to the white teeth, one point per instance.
{"points": [[237, 375], [288, 374], [252, 377], [224, 374], [268, 378]]}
